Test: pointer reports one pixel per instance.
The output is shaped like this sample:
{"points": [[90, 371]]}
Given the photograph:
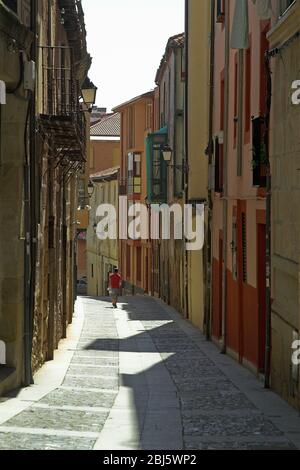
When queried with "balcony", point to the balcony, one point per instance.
{"points": [[61, 119]]}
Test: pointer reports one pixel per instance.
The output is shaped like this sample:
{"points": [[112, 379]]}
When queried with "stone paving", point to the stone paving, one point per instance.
{"points": [[184, 393], [72, 416]]}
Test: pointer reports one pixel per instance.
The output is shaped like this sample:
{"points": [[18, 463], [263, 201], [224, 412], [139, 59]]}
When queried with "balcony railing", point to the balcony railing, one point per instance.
{"points": [[60, 111], [60, 89]]}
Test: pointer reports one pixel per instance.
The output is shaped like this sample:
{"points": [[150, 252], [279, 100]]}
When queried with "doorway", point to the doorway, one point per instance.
{"points": [[261, 287]]}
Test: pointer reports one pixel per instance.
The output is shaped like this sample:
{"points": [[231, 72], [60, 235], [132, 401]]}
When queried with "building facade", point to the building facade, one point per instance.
{"points": [[102, 254], [49, 63], [167, 181], [239, 196], [103, 152], [197, 120], [16, 36], [135, 256], [284, 63]]}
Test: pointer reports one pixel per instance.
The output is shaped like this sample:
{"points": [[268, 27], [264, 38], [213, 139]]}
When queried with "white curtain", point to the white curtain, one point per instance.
{"points": [[240, 27], [264, 8]]}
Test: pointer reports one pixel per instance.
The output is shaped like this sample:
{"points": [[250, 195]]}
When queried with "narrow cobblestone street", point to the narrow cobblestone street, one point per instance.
{"points": [[141, 377]]}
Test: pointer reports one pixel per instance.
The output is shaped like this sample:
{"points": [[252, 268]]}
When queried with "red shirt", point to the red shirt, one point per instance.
{"points": [[115, 281]]}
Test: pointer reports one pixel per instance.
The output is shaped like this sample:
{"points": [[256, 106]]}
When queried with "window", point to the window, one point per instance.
{"points": [[264, 46], [157, 168], [149, 115], [92, 270], [134, 173], [235, 117], [183, 63], [259, 162], [219, 161], [163, 116], [131, 127], [222, 94], [220, 11], [248, 65]]}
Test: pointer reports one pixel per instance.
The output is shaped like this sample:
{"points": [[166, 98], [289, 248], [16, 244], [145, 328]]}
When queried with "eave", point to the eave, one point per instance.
{"points": [[286, 27]]}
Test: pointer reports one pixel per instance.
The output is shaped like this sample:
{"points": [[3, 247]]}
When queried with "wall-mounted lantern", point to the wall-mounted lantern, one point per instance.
{"points": [[89, 93], [167, 153], [91, 189]]}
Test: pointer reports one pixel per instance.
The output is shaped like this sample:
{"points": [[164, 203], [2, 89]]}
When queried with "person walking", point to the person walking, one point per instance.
{"points": [[115, 284]]}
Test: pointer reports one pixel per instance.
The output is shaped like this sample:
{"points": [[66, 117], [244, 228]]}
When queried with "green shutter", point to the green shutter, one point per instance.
{"points": [[156, 166]]}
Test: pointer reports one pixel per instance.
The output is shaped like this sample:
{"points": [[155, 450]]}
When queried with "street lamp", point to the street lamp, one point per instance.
{"points": [[88, 93], [167, 153], [91, 188]]}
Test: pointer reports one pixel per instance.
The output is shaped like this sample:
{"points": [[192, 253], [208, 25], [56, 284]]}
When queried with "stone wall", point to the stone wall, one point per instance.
{"points": [[286, 216], [12, 158]]}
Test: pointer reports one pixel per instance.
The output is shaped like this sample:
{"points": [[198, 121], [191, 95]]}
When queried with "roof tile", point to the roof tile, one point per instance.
{"points": [[109, 126]]}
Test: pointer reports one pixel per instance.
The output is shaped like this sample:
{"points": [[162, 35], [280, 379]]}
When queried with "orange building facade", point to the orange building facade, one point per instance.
{"points": [[103, 153], [136, 256], [239, 202]]}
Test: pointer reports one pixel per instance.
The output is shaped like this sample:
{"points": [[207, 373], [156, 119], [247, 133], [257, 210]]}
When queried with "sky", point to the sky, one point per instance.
{"points": [[127, 39]]}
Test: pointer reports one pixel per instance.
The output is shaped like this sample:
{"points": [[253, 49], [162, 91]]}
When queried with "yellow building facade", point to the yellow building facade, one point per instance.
{"points": [[197, 137], [102, 255]]}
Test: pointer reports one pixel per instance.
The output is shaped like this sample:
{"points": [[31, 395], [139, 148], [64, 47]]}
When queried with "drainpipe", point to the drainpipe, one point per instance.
{"points": [[208, 303], [268, 230], [27, 259], [64, 258], [186, 174], [225, 176]]}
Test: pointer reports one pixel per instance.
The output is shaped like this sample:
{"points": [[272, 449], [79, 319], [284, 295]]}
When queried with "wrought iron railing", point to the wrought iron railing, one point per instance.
{"points": [[60, 89], [60, 103]]}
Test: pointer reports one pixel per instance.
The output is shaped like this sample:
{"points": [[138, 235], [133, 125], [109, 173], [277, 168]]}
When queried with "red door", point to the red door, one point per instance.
{"points": [[261, 286]]}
